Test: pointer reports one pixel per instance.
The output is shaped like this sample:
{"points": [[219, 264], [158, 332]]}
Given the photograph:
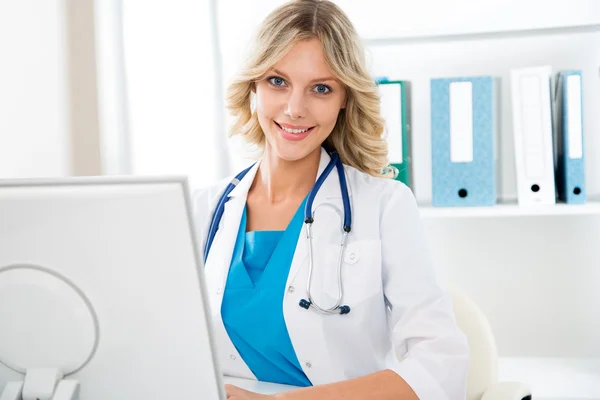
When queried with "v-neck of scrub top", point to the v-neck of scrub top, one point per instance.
{"points": [[252, 308], [258, 249]]}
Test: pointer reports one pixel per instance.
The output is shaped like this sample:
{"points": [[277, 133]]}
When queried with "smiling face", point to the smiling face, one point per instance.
{"points": [[298, 102]]}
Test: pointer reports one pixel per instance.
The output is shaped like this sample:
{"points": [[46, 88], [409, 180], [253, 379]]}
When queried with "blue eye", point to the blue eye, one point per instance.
{"points": [[322, 89], [276, 81]]}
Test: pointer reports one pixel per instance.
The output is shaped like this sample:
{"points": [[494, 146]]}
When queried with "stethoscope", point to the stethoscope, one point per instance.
{"points": [[308, 221]]}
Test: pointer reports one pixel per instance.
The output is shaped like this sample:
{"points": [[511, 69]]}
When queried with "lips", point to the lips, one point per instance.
{"points": [[293, 129], [293, 134]]}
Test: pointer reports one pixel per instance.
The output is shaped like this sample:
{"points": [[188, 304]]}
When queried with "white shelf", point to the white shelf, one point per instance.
{"points": [[510, 209], [434, 18]]}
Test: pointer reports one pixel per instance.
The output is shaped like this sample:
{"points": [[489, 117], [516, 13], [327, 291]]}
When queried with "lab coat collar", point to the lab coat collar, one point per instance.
{"points": [[242, 188]]}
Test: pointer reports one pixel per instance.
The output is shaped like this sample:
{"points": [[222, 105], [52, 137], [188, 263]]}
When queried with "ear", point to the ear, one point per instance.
{"points": [[345, 102]]}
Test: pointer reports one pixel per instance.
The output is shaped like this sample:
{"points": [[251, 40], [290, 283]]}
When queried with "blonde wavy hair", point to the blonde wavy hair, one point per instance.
{"points": [[357, 135]]}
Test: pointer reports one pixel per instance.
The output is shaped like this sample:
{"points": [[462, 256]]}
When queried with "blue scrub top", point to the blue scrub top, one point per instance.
{"points": [[252, 308]]}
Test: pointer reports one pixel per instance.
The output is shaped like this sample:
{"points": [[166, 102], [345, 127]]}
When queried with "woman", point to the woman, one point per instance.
{"points": [[305, 89]]}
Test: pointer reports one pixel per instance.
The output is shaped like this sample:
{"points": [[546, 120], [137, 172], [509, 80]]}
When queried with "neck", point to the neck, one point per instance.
{"points": [[279, 180]]}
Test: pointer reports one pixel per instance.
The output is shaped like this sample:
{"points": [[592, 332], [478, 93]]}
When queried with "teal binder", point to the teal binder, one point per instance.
{"points": [[568, 136], [463, 141], [395, 109]]}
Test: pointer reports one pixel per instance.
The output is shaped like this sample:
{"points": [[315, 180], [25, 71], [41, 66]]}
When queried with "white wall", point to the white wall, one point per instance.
{"points": [[34, 135], [48, 97], [173, 112]]}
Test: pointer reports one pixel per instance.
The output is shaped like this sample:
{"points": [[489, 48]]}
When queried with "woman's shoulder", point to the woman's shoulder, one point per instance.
{"points": [[382, 188], [205, 196]]}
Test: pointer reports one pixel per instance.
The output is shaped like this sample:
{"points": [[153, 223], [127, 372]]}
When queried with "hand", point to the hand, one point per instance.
{"points": [[236, 393]]}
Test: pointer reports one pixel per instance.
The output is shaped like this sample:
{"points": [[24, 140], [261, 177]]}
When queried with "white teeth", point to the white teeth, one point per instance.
{"points": [[293, 130]]}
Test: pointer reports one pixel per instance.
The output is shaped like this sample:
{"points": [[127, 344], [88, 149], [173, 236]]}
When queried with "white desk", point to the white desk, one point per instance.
{"points": [[258, 386]]}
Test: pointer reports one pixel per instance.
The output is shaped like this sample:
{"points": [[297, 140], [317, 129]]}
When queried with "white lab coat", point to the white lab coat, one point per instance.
{"points": [[389, 282]]}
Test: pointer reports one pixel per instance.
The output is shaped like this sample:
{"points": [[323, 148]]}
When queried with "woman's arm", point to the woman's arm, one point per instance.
{"points": [[382, 385], [432, 353]]}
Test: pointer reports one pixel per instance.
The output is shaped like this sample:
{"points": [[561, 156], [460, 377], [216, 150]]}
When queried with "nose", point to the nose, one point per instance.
{"points": [[296, 106]]}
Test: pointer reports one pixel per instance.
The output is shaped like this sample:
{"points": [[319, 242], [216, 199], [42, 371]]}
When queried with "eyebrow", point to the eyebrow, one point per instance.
{"points": [[328, 78]]}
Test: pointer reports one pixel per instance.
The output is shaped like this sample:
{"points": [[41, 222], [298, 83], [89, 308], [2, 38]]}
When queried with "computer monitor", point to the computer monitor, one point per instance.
{"points": [[100, 280]]}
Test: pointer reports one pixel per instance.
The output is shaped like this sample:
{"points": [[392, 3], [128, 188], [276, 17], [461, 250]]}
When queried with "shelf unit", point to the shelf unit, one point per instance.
{"points": [[510, 209], [532, 270]]}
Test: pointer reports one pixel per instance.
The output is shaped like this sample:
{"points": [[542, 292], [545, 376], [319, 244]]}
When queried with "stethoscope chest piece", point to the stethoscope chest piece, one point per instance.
{"points": [[341, 309]]}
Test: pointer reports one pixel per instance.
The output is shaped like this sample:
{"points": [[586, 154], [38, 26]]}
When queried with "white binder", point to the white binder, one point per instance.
{"points": [[532, 128]]}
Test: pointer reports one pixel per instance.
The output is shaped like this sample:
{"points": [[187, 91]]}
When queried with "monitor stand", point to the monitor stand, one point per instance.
{"points": [[65, 337], [41, 384]]}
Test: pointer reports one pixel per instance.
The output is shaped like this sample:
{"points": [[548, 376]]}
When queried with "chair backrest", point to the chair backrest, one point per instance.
{"points": [[483, 364]]}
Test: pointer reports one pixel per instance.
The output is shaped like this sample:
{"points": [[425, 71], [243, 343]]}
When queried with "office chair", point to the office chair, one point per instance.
{"points": [[482, 380]]}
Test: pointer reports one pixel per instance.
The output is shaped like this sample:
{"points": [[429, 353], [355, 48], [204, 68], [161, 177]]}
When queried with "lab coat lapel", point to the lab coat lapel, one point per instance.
{"points": [[217, 268], [221, 252]]}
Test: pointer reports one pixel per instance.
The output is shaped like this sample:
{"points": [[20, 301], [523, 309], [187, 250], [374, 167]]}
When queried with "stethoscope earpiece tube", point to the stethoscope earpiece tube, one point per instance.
{"points": [[345, 197], [308, 217]]}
